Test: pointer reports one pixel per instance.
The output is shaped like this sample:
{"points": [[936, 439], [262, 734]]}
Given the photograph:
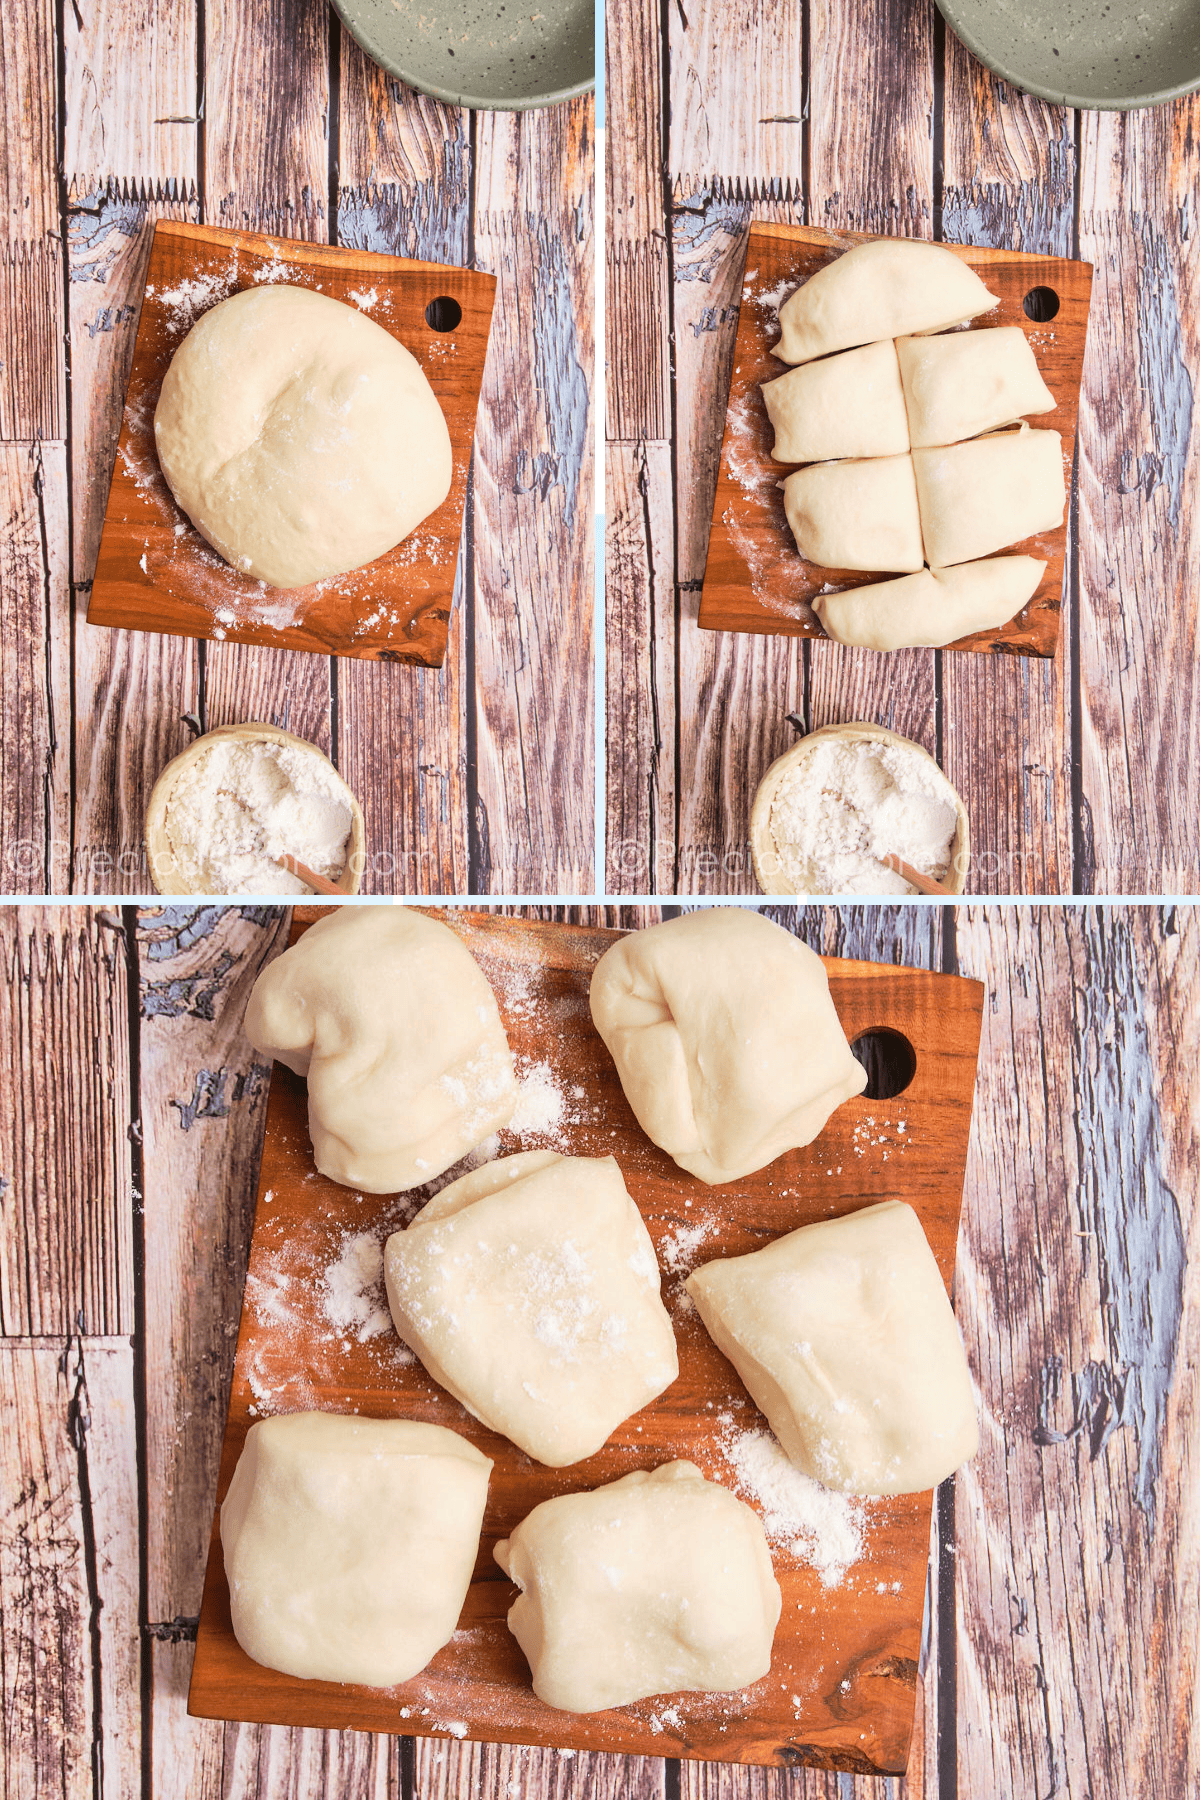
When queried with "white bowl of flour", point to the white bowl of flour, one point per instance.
{"points": [[829, 809], [222, 812]]}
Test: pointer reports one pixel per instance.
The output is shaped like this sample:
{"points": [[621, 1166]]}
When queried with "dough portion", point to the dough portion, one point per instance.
{"points": [[848, 405], [844, 1335], [393, 1022], [655, 1584], [529, 1288], [856, 515], [936, 607], [349, 1544], [978, 497], [725, 1038], [959, 386], [887, 288], [298, 436]]}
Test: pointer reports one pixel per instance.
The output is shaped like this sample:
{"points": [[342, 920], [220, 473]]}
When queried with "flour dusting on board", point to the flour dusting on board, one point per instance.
{"points": [[821, 1528]]}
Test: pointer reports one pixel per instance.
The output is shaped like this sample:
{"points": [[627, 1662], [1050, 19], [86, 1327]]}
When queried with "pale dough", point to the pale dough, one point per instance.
{"points": [[856, 515], [393, 1022], [725, 1038], [529, 1289], [970, 382], [848, 405], [978, 497], [936, 607], [298, 436], [656, 1584], [844, 1336], [888, 288], [349, 1544]]}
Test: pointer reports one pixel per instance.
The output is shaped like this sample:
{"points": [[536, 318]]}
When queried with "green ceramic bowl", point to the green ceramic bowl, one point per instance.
{"points": [[1110, 54], [506, 55]]}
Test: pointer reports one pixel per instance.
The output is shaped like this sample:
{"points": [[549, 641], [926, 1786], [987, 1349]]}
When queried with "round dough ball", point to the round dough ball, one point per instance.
{"points": [[393, 1023], [298, 436]]}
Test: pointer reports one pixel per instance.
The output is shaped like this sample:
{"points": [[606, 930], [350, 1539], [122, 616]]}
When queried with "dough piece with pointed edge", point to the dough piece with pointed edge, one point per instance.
{"points": [[529, 1288], [844, 1335], [848, 405], [659, 1583], [300, 438], [856, 515], [393, 1022], [936, 607], [978, 497], [349, 1544], [887, 288], [970, 382], [725, 1038]]}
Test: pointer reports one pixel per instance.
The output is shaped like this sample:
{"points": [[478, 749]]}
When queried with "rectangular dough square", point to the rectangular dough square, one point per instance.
{"points": [[842, 406], [857, 515], [979, 497], [969, 382]]}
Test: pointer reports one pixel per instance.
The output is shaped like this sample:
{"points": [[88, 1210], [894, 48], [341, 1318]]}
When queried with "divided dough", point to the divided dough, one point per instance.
{"points": [[725, 1038], [393, 1022], [856, 515], [529, 1289], [978, 497], [299, 437], [654, 1584], [844, 1335], [349, 1543], [848, 405], [887, 288], [959, 386], [936, 607]]}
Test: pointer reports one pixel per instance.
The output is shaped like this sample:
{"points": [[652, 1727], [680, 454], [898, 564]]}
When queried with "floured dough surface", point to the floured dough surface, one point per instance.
{"points": [[349, 1543], [848, 405], [656, 1584], [887, 288], [301, 439], [994, 491], [529, 1289], [969, 382], [393, 1022], [725, 1038], [844, 1335], [856, 515], [936, 607]]}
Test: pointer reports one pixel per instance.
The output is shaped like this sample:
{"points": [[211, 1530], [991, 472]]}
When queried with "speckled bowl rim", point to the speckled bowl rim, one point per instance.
{"points": [[474, 102], [767, 867], [1085, 102], [249, 731]]}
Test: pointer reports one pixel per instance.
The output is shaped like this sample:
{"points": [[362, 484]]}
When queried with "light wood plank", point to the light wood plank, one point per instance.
{"points": [[737, 101], [404, 172], [266, 168], [448, 1771], [534, 505], [640, 671], [69, 1650], [66, 1220], [1009, 175], [202, 1094], [35, 686], [33, 391], [1139, 496], [637, 301], [1077, 1292], [131, 101]]}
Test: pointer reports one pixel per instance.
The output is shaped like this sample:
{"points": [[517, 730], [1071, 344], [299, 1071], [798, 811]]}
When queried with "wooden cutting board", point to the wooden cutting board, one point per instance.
{"points": [[156, 573], [755, 579], [843, 1680]]}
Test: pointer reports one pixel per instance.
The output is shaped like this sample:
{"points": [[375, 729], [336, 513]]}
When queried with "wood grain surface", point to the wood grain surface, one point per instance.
{"points": [[1062, 1617], [754, 578], [843, 1667], [1079, 775], [155, 572], [268, 118]]}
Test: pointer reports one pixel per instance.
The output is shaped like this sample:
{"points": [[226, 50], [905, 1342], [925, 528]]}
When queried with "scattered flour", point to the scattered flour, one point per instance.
{"points": [[354, 1293], [240, 803], [680, 1248], [821, 1528], [540, 1103], [838, 811]]}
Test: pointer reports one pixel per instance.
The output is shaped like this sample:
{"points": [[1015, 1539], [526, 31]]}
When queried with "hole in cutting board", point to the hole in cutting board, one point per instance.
{"points": [[443, 314], [1041, 304], [890, 1062]]}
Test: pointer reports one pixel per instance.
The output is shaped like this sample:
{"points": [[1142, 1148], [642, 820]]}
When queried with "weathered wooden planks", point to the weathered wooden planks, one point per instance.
{"points": [[32, 394]]}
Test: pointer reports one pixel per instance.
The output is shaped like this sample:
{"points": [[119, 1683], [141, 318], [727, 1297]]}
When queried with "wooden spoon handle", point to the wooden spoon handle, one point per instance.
{"points": [[318, 883], [924, 884]]}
